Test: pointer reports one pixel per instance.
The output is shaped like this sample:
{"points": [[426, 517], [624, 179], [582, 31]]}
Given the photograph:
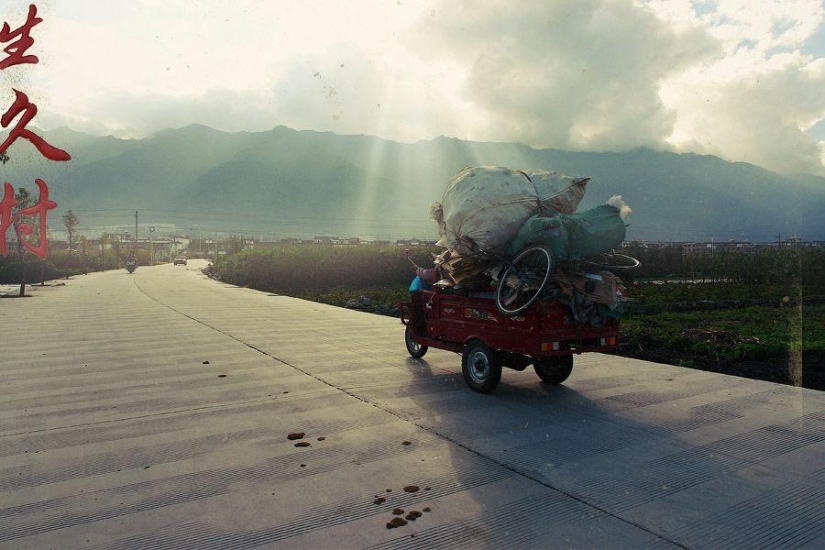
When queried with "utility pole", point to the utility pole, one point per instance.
{"points": [[136, 232]]}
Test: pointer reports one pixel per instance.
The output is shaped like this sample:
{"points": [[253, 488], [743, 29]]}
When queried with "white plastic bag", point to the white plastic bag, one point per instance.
{"points": [[484, 207]]}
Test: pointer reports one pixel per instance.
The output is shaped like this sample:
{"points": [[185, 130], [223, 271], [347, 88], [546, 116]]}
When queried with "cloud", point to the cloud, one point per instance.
{"points": [[128, 115], [708, 76], [397, 97], [764, 27], [156, 64], [756, 101], [568, 74], [761, 120], [719, 77], [347, 93]]}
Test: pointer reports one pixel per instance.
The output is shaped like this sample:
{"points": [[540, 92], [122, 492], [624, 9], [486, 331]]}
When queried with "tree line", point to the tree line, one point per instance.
{"points": [[768, 265]]}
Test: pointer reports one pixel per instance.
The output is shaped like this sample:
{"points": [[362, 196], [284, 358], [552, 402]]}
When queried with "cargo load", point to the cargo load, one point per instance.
{"points": [[484, 207], [575, 236], [517, 233]]}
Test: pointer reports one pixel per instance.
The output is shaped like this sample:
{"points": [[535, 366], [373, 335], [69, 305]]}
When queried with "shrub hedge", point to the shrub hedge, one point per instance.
{"points": [[304, 267]]}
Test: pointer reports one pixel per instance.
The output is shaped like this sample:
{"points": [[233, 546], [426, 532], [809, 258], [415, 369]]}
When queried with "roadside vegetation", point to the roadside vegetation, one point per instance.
{"points": [[24, 267], [60, 264], [332, 274], [756, 315]]}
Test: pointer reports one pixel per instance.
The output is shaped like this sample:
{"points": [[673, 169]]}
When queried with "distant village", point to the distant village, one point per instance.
{"points": [[168, 247]]}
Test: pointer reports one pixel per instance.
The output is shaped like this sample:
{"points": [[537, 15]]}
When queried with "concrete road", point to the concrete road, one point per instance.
{"points": [[153, 411]]}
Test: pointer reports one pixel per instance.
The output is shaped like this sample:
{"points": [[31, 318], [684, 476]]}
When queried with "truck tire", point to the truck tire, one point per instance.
{"points": [[554, 370], [480, 366], [414, 348]]}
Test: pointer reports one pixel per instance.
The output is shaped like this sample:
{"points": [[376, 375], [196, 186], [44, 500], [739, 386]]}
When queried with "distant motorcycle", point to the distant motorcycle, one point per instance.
{"points": [[131, 265]]}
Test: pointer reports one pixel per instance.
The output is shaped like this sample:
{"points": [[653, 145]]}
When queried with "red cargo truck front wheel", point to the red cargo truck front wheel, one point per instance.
{"points": [[414, 348]]}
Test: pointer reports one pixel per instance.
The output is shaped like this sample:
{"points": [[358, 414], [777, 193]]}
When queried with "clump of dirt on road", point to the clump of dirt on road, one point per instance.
{"points": [[396, 522], [412, 515]]}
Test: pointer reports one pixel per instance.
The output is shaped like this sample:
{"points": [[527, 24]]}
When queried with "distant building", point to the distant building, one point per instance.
{"points": [[408, 242], [695, 249], [714, 247]]}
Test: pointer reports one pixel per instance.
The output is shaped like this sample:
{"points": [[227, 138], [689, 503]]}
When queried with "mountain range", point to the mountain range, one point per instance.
{"points": [[286, 182]]}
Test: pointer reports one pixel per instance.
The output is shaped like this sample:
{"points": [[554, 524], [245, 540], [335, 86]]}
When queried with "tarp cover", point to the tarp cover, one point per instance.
{"points": [[484, 207], [573, 236]]}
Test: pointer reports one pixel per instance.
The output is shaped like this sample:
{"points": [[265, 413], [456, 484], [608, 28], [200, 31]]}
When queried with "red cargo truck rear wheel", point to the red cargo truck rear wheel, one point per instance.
{"points": [[554, 370], [480, 366]]}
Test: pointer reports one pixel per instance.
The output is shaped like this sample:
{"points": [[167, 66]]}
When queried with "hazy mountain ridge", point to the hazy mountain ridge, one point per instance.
{"points": [[284, 182]]}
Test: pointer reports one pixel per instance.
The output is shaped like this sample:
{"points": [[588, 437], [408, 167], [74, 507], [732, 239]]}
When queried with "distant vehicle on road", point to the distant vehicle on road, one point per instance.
{"points": [[179, 261]]}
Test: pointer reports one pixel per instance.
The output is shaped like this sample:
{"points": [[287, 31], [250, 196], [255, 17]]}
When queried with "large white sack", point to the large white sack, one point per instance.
{"points": [[557, 191], [484, 207]]}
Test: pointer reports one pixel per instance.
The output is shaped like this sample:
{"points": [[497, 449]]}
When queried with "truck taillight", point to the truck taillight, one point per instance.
{"points": [[550, 346], [609, 341]]}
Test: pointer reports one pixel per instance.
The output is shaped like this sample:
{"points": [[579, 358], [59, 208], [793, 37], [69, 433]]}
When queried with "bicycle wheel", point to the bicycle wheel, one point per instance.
{"points": [[612, 261], [523, 280]]}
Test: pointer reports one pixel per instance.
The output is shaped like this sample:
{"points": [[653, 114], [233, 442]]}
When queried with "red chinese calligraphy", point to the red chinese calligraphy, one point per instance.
{"points": [[16, 50], [24, 229], [6, 216], [29, 110], [29, 236]]}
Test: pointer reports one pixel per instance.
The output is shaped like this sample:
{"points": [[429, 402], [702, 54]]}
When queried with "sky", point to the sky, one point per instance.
{"points": [[744, 80]]}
